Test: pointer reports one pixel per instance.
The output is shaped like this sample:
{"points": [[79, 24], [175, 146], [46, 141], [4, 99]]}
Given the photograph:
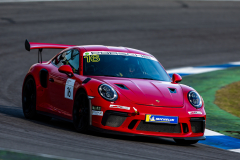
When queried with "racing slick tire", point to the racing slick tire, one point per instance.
{"points": [[185, 142], [81, 112], [29, 101]]}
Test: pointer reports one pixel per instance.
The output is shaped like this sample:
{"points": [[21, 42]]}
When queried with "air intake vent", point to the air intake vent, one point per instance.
{"points": [[198, 124], [121, 86], [159, 127], [114, 118], [172, 90], [132, 124]]}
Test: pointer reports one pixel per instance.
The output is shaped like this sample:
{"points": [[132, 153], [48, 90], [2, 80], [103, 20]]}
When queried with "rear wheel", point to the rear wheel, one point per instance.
{"points": [[81, 112], [29, 101], [185, 142]]}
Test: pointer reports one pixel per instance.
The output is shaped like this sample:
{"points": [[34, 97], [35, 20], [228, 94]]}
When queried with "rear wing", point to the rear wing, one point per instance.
{"points": [[32, 45]]}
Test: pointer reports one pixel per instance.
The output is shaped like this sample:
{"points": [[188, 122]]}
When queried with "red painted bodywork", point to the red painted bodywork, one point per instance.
{"points": [[142, 94], [66, 69], [34, 45], [176, 78]]}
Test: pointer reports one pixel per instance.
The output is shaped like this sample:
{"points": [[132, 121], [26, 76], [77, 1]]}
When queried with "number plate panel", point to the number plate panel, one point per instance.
{"points": [[161, 119], [69, 88]]}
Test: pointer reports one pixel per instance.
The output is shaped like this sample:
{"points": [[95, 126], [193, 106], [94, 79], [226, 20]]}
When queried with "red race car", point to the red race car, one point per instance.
{"points": [[112, 89]]}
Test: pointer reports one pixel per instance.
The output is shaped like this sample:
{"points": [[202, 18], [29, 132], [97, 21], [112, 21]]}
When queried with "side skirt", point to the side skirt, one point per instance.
{"points": [[54, 116]]}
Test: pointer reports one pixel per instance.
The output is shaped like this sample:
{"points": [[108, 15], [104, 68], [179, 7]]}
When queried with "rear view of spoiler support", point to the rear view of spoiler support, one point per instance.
{"points": [[32, 45]]}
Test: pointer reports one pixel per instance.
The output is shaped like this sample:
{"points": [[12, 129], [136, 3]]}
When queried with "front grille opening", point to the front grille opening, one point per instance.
{"points": [[159, 127], [115, 121], [132, 124], [114, 118], [197, 124], [185, 127], [197, 127]]}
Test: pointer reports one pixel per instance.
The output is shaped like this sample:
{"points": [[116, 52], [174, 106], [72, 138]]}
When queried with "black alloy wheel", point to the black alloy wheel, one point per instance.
{"points": [[81, 112], [185, 142], [29, 99]]}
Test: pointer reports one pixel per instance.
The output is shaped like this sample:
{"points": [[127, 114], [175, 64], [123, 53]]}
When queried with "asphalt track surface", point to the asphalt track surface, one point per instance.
{"points": [[177, 33]]}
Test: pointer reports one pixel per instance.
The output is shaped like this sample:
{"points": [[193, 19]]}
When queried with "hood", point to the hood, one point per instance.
{"points": [[148, 92]]}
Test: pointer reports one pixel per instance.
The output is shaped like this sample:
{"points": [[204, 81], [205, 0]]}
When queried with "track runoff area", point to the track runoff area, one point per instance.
{"points": [[214, 139]]}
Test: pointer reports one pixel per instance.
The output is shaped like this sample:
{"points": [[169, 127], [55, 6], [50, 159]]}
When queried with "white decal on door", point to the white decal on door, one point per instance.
{"points": [[69, 88]]}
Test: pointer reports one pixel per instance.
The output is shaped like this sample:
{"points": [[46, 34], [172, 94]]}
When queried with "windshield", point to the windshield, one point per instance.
{"points": [[125, 65]]}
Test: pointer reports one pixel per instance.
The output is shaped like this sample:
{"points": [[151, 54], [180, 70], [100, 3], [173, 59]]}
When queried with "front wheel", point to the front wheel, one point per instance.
{"points": [[81, 112], [185, 142]]}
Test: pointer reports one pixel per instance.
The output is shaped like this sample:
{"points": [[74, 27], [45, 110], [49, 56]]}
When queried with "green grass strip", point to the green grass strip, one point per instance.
{"points": [[207, 84], [227, 98], [9, 155]]}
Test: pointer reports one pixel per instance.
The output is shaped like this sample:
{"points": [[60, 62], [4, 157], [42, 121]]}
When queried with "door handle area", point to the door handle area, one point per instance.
{"points": [[51, 80]]}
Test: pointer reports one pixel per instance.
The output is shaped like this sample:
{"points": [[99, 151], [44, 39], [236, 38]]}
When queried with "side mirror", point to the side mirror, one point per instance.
{"points": [[67, 70], [176, 78]]}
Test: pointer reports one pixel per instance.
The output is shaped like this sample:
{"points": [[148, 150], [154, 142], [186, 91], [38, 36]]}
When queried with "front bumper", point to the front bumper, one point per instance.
{"points": [[125, 122], [96, 129]]}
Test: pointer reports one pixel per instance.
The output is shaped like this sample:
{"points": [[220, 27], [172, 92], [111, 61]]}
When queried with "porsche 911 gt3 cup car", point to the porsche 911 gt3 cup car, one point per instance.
{"points": [[112, 89]]}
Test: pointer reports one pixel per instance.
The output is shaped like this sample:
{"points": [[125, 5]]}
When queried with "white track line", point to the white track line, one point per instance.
{"points": [[192, 70], [235, 150], [198, 70], [212, 133], [235, 63]]}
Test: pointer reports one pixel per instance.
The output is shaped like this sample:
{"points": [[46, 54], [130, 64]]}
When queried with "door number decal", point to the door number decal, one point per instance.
{"points": [[69, 88]]}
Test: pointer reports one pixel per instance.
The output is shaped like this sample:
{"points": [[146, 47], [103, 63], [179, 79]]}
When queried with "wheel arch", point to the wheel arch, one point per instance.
{"points": [[79, 90], [26, 78], [34, 72]]}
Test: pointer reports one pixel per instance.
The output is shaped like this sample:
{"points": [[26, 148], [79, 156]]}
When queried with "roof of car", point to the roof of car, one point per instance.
{"points": [[90, 48], [33, 45]]}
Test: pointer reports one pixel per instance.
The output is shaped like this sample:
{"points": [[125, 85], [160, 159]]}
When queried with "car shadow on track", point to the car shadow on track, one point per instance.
{"points": [[16, 112]]}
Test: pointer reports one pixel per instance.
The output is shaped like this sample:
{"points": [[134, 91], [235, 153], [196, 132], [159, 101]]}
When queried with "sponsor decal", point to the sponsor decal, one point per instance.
{"points": [[69, 87], [161, 119], [89, 55], [86, 53], [97, 113], [194, 112], [120, 107], [92, 58]]}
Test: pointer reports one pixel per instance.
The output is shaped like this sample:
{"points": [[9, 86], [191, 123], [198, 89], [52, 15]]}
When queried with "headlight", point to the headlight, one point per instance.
{"points": [[195, 99], [107, 92]]}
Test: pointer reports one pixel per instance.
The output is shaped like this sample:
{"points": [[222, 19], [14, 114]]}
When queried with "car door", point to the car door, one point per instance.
{"points": [[61, 86]]}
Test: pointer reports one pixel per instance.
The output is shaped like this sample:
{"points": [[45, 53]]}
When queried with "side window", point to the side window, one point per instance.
{"points": [[70, 57], [74, 61]]}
